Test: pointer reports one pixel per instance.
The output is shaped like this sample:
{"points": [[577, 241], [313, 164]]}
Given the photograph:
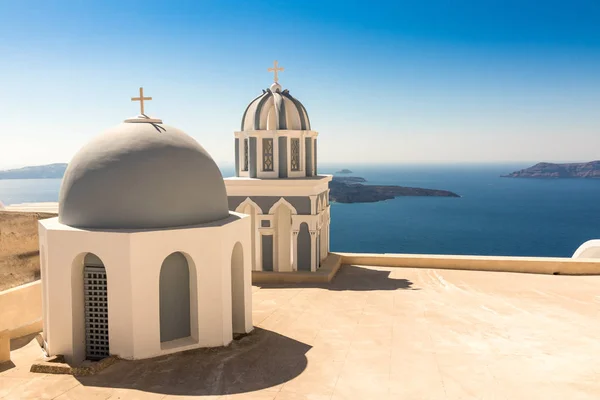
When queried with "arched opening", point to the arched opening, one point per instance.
{"points": [[238, 309], [283, 237], [174, 298], [95, 308], [304, 250]]}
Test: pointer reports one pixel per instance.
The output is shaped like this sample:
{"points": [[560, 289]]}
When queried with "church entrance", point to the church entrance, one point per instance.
{"points": [[96, 308]]}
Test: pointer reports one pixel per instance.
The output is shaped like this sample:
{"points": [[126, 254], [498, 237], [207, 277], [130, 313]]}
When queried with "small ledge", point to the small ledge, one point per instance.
{"points": [[178, 344], [144, 119]]}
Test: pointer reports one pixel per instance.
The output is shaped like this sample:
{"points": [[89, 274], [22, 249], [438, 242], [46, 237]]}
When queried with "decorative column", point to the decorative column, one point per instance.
{"points": [[313, 204], [322, 245], [295, 250], [313, 250]]}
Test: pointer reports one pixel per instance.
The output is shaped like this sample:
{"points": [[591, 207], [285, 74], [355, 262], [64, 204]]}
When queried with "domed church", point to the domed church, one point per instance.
{"points": [[144, 258], [277, 183]]}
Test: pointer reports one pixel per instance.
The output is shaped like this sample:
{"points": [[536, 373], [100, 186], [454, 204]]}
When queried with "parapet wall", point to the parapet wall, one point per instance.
{"points": [[21, 309], [530, 265]]}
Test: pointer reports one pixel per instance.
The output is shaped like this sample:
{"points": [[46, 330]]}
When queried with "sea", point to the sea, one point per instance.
{"points": [[493, 216]]}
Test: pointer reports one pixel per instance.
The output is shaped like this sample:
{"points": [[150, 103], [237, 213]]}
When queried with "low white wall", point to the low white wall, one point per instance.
{"points": [[21, 309], [590, 249], [531, 265]]}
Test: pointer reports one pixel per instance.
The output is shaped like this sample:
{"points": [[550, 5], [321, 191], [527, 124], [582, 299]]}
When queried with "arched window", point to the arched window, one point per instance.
{"points": [[174, 298], [304, 250], [245, 159], [295, 154], [95, 296]]}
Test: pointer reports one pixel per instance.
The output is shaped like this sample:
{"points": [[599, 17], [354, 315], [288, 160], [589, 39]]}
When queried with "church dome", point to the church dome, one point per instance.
{"points": [[142, 175], [275, 109]]}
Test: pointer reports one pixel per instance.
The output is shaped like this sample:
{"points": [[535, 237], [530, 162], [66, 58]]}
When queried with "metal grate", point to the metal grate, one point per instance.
{"points": [[295, 144], [267, 154], [96, 313]]}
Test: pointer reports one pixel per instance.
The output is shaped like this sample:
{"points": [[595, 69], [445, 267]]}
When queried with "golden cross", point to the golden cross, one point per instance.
{"points": [[275, 69], [141, 99]]}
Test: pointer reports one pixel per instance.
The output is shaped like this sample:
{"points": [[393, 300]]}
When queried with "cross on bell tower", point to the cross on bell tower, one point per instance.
{"points": [[275, 70], [141, 100]]}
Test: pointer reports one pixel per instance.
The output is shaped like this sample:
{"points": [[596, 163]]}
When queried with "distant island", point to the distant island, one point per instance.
{"points": [[549, 170], [344, 171], [351, 190], [50, 171], [343, 189]]}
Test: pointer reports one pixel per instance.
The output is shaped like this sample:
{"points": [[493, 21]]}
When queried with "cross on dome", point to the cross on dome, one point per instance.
{"points": [[141, 100], [275, 70]]}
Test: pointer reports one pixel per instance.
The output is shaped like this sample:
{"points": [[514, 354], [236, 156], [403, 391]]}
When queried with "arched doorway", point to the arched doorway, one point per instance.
{"points": [[238, 309], [174, 298], [283, 237], [95, 297], [304, 250]]}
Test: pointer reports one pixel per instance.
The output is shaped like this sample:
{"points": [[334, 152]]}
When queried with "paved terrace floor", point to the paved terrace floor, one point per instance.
{"points": [[375, 333]]}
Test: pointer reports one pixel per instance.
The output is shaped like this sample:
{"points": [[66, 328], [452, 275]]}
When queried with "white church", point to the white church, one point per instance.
{"points": [[145, 257], [277, 183]]}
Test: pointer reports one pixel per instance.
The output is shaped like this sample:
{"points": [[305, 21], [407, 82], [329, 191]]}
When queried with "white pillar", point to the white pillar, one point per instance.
{"points": [[313, 204], [259, 258], [313, 250], [322, 246], [295, 250]]}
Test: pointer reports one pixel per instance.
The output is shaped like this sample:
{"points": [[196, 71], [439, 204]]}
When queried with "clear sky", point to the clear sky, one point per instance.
{"points": [[398, 81]]}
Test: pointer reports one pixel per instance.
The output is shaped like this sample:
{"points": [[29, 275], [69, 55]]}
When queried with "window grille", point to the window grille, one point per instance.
{"points": [[96, 313], [245, 155], [267, 154], [295, 144]]}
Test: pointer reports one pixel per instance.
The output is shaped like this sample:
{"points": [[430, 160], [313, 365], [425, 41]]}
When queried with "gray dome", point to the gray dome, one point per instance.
{"points": [[142, 175], [275, 110]]}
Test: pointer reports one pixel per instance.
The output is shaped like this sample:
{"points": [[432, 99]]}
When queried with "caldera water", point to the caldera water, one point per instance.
{"points": [[493, 216]]}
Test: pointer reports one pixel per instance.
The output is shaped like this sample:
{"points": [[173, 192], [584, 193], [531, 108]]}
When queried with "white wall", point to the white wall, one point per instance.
{"points": [[133, 261]]}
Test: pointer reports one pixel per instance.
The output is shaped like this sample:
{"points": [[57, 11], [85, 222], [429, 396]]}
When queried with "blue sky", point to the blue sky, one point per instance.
{"points": [[428, 81]]}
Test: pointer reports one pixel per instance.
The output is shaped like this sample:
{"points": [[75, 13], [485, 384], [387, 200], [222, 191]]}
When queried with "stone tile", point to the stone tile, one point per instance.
{"points": [[132, 394], [48, 387], [8, 383], [362, 385], [81, 392], [318, 378], [259, 395], [301, 396]]}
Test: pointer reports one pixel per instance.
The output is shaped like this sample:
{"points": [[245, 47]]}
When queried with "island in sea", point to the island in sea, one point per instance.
{"points": [[550, 170], [344, 171], [350, 189], [343, 189], [50, 171]]}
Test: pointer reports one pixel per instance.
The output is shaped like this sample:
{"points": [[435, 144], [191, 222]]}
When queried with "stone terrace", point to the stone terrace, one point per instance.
{"points": [[374, 333]]}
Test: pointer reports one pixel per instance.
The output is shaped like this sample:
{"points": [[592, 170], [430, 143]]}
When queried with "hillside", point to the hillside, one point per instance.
{"points": [[351, 190], [549, 170], [19, 252], [49, 171]]}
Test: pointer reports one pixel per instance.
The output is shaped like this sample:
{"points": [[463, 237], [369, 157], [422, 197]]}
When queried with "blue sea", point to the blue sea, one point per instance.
{"points": [[494, 216]]}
